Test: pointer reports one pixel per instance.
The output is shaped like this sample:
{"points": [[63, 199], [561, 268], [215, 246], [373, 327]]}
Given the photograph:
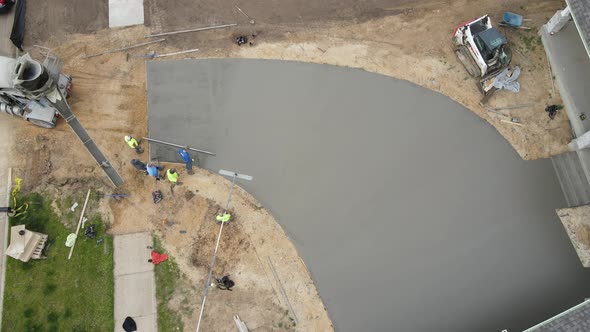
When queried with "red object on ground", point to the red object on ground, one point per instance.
{"points": [[158, 258]]}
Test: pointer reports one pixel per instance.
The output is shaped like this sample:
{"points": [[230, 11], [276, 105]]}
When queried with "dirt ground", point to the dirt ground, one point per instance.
{"points": [[395, 38], [576, 221]]}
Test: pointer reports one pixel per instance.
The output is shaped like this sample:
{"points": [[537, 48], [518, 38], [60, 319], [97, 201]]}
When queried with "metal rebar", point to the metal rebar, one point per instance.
{"points": [[241, 11], [175, 53], [178, 146], [125, 48], [512, 107], [274, 272], [191, 30]]}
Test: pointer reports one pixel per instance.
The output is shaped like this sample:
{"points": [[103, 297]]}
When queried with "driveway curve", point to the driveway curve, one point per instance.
{"points": [[411, 213]]}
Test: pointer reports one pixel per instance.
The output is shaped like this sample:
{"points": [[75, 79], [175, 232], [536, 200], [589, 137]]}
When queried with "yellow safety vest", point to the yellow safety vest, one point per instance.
{"points": [[224, 218], [172, 177], [132, 143]]}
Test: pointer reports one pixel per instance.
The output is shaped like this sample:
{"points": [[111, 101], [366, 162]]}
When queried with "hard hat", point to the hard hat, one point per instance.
{"points": [[127, 138]]}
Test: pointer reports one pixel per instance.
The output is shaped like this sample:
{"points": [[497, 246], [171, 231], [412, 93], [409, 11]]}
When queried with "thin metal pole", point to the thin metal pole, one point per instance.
{"points": [[79, 224], [274, 272], [175, 53], [178, 146], [208, 283], [125, 48], [191, 30]]}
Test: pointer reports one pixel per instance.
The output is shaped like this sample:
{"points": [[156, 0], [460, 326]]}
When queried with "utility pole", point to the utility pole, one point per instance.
{"points": [[234, 176]]}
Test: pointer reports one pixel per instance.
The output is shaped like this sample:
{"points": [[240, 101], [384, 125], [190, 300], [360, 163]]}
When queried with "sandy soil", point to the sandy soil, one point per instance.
{"points": [[109, 99], [246, 245], [576, 221]]}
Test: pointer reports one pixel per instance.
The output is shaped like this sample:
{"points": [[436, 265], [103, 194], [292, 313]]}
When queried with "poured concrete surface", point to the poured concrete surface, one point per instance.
{"points": [[411, 213], [125, 13], [135, 290]]}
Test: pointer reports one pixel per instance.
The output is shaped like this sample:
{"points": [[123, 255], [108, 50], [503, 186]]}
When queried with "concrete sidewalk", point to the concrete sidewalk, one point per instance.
{"points": [[135, 288]]}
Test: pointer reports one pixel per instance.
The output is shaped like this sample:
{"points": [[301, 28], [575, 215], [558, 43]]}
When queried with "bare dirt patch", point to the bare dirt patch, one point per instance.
{"points": [[576, 221]]}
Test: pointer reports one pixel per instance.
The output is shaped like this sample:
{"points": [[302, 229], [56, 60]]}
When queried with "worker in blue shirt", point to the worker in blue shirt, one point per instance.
{"points": [[186, 158], [154, 170]]}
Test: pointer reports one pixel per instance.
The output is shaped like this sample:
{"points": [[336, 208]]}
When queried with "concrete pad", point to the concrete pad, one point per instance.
{"points": [[125, 12], [134, 294], [144, 323], [132, 254], [411, 212], [135, 287]]}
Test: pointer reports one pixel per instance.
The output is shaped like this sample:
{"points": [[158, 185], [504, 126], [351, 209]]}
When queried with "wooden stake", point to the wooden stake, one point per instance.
{"points": [[79, 224]]}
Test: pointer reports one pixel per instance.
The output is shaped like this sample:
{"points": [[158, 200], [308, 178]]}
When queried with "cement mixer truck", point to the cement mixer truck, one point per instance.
{"points": [[36, 91], [27, 88]]}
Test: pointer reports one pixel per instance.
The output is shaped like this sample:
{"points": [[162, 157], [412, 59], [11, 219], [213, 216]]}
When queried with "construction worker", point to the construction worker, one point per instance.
{"points": [[186, 158], [225, 283], [172, 176], [133, 143], [154, 170], [138, 165], [222, 217]]}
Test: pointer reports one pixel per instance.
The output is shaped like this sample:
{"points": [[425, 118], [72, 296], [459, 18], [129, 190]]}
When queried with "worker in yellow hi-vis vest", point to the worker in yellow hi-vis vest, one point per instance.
{"points": [[222, 217], [172, 176], [133, 143]]}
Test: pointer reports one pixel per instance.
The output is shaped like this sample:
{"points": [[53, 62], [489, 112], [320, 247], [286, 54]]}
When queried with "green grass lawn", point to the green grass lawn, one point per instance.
{"points": [[57, 294], [167, 279]]}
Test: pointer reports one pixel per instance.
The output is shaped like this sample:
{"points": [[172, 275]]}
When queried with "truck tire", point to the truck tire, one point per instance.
{"points": [[465, 58], [42, 124]]}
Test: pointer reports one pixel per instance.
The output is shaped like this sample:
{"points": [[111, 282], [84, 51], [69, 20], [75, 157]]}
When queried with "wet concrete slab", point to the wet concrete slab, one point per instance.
{"points": [[411, 213]]}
